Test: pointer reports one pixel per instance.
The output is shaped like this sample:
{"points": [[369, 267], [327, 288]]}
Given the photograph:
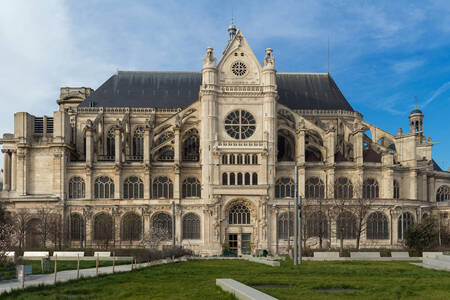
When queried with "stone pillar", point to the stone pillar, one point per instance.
{"points": [[300, 147], [387, 182], [89, 147], [147, 182], [431, 194], [89, 184], [176, 183], [118, 183], [424, 188], [13, 170], [329, 183], [117, 146], [178, 225], [146, 146], [176, 160], [6, 170], [277, 213], [21, 174], [358, 148], [413, 185], [331, 145]]}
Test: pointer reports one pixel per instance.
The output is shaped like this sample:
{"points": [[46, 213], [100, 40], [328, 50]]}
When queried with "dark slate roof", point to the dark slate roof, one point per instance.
{"points": [[436, 166], [180, 89], [416, 111]]}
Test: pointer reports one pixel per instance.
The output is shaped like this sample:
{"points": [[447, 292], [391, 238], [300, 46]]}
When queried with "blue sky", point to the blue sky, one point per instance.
{"points": [[383, 53]]}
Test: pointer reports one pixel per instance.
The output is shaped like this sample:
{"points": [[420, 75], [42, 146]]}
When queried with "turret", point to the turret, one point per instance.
{"points": [[416, 121]]}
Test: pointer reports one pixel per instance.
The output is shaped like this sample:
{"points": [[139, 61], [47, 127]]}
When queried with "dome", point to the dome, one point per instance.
{"points": [[416, 111], [232, 27]]}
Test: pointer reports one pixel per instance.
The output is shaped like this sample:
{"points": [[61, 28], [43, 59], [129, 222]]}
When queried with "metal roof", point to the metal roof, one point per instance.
{"points": [[180, 89]]}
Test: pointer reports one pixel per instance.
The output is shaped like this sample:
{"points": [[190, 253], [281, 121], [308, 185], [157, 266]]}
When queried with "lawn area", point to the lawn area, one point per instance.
{"points": [[196, 280]]}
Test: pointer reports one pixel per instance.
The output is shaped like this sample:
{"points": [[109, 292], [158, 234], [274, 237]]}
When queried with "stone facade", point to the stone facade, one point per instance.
{"points": [[221, 166]]}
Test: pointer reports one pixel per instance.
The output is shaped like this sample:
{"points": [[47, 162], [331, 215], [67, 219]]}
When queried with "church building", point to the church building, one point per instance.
{"points": [[207, 160]]}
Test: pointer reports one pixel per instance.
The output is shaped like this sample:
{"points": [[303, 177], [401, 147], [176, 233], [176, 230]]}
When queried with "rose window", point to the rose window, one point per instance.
{"points": [[240, 124], [239, 68]]}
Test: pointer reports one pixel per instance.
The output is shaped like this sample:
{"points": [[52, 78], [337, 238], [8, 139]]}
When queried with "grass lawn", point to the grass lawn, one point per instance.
{"points": [[196, 280]]}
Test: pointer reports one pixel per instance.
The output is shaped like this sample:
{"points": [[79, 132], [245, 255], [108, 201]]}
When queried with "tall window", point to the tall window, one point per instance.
{"points": [[224, 159], [191, 146], [247, 178], [371, 189], [133, 188], [255, 178], [247, 159], [191, 188], [162, 226], [396, 190], [408, 221], [191, 226], [377, 226], [162, 188], [76, 227], [131, 227], [232, 179], [224, 179], [166, 154], [138, 141], [346, 226], [110, 143], [239, 159], [285, 188], [103, 227], [239, 178], [232, 159], [239, 214], [443, 193], [254, 159], [76, 188], [104, 188], [317, 225], [314, 188], [343, 188], [285, 225]]}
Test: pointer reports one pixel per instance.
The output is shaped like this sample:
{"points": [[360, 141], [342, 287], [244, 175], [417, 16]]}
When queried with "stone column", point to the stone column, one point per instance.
{"points": [[358, 148], [89, 184], [176, 183], [89, 147], [6, 170], [21, 174], [424, 188], [387, 182], [117, 146], [13, 170], [431, 194], [330, 183], [147, 182], [413, 185], [146, 146], [118, 183], [176, 160], [178, 225], [277, 212]]}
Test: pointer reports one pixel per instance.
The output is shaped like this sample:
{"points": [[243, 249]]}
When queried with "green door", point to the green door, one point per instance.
{"points": [[233, 243], [245, 244]]}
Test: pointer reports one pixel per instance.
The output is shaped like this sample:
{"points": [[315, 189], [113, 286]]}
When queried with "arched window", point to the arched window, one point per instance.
{"points": [[247, 159], [239, 178], [138, 142], [239, 214], [104, 188], [224, 179], [408, 221], [343, 188], [254, 159], [103, 227], [370, 189], [377, 227], [255, 179], [191, 188], [131, 227], [443, 193], [232, 159], [314, 188], [33, 233], [239, 159], [224, 159], [346, 226], [191, 146], [166, 154], [317, 225], [162, 226], [162, 188], [232, 179], [110, 144], [396, 190], [165, 137], [76, 188], [247, 178], [191, 226], [133, 188], [285, 188], [76, 227], [286, 146], [285, 225]]}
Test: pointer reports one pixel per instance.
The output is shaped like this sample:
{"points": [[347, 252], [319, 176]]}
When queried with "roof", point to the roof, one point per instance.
{"points": [[180, 89], [436, 166], [416, 111]]}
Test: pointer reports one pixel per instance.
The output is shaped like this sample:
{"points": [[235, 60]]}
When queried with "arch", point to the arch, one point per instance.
{"points": [[191, 226], [371, 189], [138, 141], [33, 233], [104, 188], [191, 146], [285, 225], [110, 144], [377, 227], [161, 226], [232, 179], [191, 188], [255, 178], [165, 137], [313, 154], [317, 225], [133, 188], [285, 188], [247, 178], [239, 178], [103, 228], [76, 227], [285, 146], [239, 214], [408, 221], [312, 137], [343, 188], [162, 188], [224, 179], [314, 188], [443, 193], [346, 225], [396, 187], [131, 229], [76, 188]]}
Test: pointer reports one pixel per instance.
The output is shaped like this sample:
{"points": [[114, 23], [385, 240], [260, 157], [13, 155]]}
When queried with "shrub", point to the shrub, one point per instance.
{"points": [[422, 235]]}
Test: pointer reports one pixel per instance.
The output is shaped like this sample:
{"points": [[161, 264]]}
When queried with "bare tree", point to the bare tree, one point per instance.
{"points": [[8, 239], [45, 217], [55, 230], [22, 226]]}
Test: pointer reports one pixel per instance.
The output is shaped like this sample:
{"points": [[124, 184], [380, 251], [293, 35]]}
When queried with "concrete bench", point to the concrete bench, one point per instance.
{"points": [[68, 253], [400, 254], [8, 253], [102, 254], [272, 263], [364, 255], [241, 291], [36, 254], [431, 254], [326, 255]]}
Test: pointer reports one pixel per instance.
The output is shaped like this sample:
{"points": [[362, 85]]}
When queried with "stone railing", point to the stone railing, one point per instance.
{"points": [[241, 144], [329, 112]]}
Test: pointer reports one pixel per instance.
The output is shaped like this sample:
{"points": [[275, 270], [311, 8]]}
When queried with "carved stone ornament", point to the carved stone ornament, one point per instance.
{"points": [[209, 59]]}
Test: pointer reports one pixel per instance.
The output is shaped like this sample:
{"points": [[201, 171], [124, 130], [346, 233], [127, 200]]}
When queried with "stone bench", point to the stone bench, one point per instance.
{"points": [[272, 263], [241, 291], [36, 254], [326, 255], [8, 253], [431, 254], [400, 254], [365, 255], [102, 254], [440, 261], [68, 253]]}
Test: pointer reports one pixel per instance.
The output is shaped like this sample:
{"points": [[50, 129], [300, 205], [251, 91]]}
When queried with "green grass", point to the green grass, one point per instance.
{"points": [[196, 280], [63, 265]]}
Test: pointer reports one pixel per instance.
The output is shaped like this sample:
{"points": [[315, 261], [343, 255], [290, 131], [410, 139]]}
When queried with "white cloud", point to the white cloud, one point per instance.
{"points": [[407, 65]]}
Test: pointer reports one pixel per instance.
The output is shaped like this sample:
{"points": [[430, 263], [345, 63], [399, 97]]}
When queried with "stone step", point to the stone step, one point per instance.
{"points": [[442, 264], [443, 257]]}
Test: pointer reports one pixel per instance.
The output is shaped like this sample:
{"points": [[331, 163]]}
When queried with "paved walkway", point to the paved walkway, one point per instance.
{"points": [[34, 280]]}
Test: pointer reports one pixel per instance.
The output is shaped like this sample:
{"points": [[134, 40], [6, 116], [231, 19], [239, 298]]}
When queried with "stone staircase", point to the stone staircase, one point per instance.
{"points": [[440, 261]]}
